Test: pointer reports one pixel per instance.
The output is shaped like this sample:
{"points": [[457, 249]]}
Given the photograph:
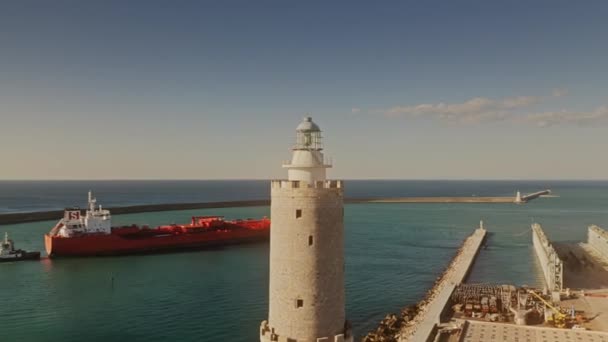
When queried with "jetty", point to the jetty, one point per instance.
{"points": [[535, 195], [456, 273], [569, 307], [420, 322], [14, 218], [438, 199], [549, 260], [570, 264]]}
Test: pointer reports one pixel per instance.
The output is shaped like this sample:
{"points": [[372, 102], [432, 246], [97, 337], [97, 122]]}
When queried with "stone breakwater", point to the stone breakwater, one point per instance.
{"points": [[417, 322], [14, 218], [471, 199]]}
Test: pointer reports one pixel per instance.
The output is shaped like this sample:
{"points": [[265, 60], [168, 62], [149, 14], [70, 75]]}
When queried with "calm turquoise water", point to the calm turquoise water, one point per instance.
{"points": [[393, 254]]}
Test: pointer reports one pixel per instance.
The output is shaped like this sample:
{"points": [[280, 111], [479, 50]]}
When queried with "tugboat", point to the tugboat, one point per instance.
{"points": [[9, 253]]}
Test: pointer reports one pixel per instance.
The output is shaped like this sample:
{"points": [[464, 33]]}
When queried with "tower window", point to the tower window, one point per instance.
{"points": [[310, 240], [299, 303], [298, 213]]}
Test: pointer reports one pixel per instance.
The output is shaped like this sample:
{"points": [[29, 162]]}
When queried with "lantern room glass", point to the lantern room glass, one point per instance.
{"points": [[309, 140]]}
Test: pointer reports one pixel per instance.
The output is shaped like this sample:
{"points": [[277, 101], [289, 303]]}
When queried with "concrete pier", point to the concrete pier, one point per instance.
{"points": [[598, 239], [425, 323], [14, 218], [443, 199], [551, 264], [535, 195]]}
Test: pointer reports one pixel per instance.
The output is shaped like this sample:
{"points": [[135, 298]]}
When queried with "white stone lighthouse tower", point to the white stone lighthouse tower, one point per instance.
{"points": [[306, 302]]}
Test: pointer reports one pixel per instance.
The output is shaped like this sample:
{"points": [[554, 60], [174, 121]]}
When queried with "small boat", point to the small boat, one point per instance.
{"points": [[9, 253]]}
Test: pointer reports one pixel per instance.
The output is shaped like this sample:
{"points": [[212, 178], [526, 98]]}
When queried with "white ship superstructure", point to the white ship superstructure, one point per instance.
{"points": [[7, 248], [95, 220]]}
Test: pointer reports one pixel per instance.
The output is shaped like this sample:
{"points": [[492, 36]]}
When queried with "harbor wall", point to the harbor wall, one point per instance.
{"points": [[552, 266], [24, 217], [598, 239], [430, 316], [535, 195], [21, 217], [15, 218]]}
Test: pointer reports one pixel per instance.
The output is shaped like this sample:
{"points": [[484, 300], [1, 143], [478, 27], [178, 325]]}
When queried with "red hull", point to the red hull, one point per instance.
{"points": [[157, 240]]}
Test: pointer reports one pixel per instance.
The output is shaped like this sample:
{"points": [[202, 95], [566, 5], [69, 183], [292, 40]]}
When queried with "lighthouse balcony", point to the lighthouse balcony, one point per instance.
{"points": [[308, 161], [288, 184]]}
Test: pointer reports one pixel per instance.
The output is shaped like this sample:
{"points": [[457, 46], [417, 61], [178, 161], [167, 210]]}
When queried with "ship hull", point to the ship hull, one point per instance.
{"points": [[113, 244]]}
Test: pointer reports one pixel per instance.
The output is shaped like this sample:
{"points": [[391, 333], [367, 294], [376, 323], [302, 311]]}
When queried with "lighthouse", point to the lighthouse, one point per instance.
{"points": [[518, 199], [306, 287]]}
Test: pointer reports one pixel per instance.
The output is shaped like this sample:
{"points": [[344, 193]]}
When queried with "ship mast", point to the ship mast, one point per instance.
{"points": [[92, 202]]}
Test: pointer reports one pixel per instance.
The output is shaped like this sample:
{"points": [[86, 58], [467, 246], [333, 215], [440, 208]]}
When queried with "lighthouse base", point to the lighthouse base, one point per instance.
{"points": [[268, 334]]}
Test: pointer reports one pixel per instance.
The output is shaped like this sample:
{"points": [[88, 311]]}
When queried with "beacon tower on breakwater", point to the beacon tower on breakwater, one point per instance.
{"points": [[306, 294]]}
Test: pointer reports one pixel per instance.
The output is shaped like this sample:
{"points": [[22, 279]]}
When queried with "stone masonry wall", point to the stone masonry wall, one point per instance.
{"points": [[306, 262]]}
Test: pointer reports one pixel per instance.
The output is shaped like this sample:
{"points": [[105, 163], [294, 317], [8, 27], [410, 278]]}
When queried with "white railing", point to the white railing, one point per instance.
{"points": [[326, 184]]}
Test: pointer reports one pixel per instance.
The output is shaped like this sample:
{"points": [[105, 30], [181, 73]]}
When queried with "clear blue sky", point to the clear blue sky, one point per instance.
{"points": [[214, 89]]}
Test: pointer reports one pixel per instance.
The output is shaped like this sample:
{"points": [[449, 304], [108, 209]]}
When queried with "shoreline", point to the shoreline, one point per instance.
{"points": [[26, 217]]}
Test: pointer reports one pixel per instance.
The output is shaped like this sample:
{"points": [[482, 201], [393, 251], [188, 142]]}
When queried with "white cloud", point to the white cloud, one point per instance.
{"points": [[545, 119], [475, 110], [510, 109], [355, 110]]}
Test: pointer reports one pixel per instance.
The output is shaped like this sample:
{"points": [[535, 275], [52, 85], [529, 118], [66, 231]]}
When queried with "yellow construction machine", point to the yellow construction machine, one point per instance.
{"points": [[559, 317]]}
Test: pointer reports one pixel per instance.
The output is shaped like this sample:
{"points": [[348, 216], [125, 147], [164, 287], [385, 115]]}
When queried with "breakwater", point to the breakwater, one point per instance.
{"points": [[419, 322], [471, 199], [14, 218], [535, 195], [598, 239], [57, 214], [549, 260]]}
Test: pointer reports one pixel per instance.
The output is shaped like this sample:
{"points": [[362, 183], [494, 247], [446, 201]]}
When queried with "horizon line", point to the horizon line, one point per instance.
{"points": [[269, 179]]}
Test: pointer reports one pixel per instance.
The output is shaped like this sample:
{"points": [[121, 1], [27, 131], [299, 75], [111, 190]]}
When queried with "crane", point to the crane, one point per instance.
{"points": [[559, 317]]}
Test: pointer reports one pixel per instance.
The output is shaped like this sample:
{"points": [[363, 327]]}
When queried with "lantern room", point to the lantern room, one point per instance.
{"points": [[308, 136]]}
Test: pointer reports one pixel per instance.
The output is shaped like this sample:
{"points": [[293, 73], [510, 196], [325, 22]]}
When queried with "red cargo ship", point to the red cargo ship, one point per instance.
{"points": [[93, 234]]}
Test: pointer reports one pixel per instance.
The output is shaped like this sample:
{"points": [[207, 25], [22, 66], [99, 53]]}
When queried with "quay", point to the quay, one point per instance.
{"points": [[569, 307], [421, 323], [573, 265]]}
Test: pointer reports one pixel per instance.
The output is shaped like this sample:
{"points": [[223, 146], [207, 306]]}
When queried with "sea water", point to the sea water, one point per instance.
{"points": [[394, 252]]}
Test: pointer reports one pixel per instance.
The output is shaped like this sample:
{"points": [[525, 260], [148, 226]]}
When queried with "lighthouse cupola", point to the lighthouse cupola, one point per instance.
{"points": [[308, 136], [307, 162]]}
